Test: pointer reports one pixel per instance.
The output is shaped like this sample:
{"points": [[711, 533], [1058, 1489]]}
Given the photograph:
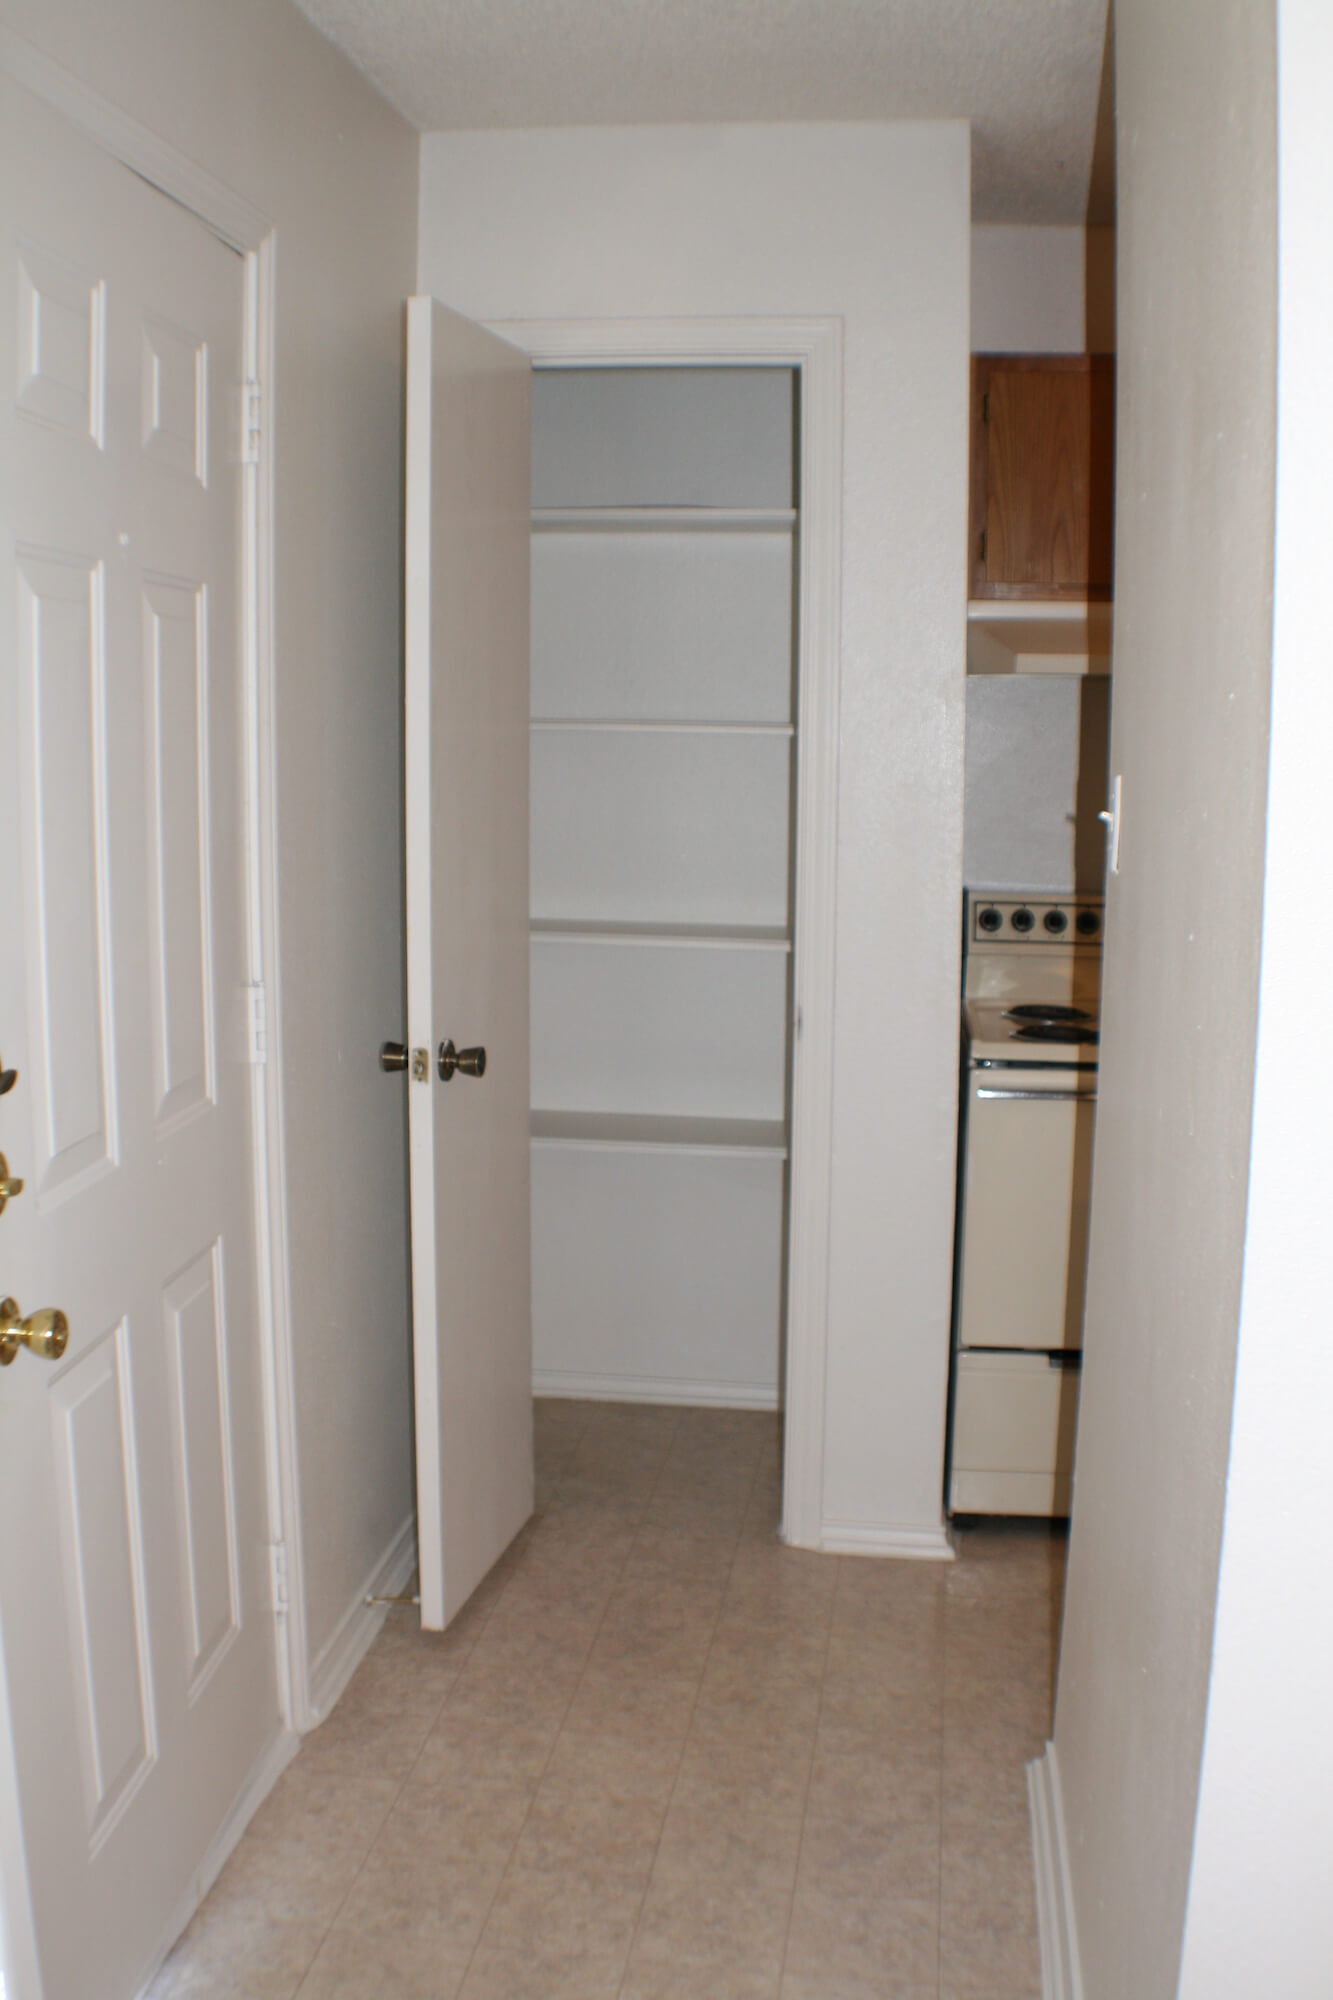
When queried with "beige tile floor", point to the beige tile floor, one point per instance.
{"points": [[661, 1757]]}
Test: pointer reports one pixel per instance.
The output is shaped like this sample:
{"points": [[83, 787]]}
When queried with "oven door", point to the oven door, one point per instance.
{"points": [[1026, 1186]]}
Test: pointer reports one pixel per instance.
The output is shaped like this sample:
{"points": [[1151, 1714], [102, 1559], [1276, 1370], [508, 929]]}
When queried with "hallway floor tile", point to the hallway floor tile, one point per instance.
{"points": [[659, 1756]]}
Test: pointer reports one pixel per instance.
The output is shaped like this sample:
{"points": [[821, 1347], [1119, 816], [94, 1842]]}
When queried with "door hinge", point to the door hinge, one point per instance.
{"points": [[251, 425], [983, 545], [256, 1023], [277, 1554]]}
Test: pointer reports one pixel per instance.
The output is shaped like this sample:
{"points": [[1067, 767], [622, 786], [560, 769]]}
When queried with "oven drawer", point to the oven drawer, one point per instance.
{"points": [[1026, 1186], [1014, 1421]]}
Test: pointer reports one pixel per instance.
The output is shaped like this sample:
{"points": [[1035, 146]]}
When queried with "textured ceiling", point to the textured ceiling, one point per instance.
{"points": [[1027, 73]]}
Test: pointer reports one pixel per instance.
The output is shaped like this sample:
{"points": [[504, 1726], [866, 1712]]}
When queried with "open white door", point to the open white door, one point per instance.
{"points": [[136, 1626], [468, 529]]}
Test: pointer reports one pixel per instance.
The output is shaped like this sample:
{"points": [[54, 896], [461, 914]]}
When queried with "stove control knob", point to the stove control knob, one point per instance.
{"points": [[1087, 923], [1023, 920], [989, 919], [1056, 922]]}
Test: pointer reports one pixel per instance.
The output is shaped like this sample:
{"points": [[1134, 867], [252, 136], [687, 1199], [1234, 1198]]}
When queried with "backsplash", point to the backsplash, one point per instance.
{"points": [[1035, 779]]}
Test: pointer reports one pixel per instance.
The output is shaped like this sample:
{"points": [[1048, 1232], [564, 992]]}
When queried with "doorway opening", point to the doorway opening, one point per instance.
{"points": [[812, 351]]}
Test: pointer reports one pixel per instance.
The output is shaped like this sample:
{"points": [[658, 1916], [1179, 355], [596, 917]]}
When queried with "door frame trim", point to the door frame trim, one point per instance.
{"points": [[247, 230], [813, 347]]}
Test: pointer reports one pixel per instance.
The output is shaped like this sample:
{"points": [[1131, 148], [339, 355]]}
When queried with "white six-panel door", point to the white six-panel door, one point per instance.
{"points": [[468, 516], [137, 1635]]}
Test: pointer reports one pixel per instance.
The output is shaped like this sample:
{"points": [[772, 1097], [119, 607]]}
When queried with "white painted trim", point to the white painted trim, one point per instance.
{"points": [[819, 669], [272, 1762], [245, 229], [358, 1628], [227, 214], [1061, 1977], [567, 1383], [852, 1538], [273, 1244], [814, 346]]}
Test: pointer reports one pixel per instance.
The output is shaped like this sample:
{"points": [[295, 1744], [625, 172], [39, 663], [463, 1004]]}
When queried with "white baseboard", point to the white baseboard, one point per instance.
{"points": [[853, 1538], [653, 1389], [272, 1762], [1061, 1976], [358, 1628]]}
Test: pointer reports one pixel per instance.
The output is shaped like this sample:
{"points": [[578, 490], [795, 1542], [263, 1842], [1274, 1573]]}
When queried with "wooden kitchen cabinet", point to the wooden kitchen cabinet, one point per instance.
{"points": [[1043, 460]]}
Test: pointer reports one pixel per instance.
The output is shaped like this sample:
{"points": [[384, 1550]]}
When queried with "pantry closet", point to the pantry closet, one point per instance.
{"points": [[664, 739]]}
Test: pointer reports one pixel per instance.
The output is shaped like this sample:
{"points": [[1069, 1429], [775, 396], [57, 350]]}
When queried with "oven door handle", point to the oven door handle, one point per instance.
{"points": [[1046, 1096]]}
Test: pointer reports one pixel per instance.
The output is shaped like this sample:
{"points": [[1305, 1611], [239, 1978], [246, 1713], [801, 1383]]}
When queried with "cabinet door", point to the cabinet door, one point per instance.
{"points": [[1043, 460]]}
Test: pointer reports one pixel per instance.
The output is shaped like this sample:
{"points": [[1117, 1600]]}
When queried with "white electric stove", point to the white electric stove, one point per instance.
{"points": [[1031, 988]]}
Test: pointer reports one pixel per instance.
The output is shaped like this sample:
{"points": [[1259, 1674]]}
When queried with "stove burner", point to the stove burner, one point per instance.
{"points": [[1055, 1031], [1035, 1011]]}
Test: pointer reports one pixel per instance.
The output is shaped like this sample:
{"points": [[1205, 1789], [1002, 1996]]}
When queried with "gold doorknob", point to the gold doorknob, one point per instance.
{"points": [[8, 1184], [45, 1333]]}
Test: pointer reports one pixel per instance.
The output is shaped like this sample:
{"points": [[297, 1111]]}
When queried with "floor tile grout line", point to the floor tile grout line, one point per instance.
{"points": [[684, 1741], [405, 1780], [810, 1767], [329, 1927], [624, 1562], [332, 1924]]}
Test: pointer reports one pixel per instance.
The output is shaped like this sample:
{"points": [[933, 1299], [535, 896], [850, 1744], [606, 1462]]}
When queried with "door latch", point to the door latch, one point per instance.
{"points": [[396, 1055]]}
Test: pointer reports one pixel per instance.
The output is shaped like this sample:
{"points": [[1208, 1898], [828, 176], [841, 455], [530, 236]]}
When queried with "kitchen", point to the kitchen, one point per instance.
{"points": [[1035, 850]]}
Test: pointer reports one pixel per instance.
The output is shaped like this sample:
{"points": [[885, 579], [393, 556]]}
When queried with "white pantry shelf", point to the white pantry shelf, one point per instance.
{"points": [[589, 725], [720, 937], [661, 520], [647, 1133]]}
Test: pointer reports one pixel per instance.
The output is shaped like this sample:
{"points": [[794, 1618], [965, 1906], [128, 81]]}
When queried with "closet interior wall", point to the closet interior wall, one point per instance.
{"points": [[663, 760]]}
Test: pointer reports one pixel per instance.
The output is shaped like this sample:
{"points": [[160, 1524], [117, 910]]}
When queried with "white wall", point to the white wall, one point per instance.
{"points": [[1028, 289], [1196, 310], [1042, 290], [1260, 1917], [251, 92], [869, 222]]}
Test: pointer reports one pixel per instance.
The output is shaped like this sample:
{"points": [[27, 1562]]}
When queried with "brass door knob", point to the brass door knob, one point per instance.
{"points": [[8, 1184], [45, 1333], [393, 1056], [472, 1062], [8, 1078]]}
